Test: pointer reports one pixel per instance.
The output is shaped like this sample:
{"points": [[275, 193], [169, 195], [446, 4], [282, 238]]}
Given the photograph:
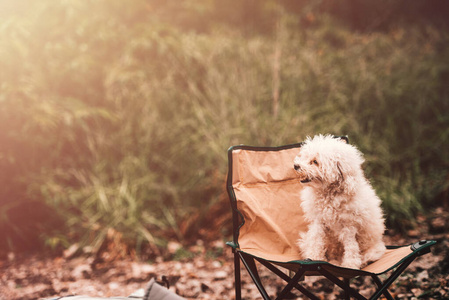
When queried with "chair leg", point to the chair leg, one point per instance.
{"points": [[391, 279], [238, 282], [237, 279], [347, 295], [250, 266], [379, 285]]}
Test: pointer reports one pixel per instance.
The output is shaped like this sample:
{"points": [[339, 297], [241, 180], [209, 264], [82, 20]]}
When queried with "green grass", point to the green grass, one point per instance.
{"points": [[127, 127]]}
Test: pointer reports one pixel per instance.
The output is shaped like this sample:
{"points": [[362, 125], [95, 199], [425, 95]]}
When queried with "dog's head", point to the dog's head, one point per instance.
{"points": [[326, 161]]}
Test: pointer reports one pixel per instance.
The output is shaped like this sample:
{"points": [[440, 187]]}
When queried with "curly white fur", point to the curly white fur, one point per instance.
{"points": [[346, 223]]}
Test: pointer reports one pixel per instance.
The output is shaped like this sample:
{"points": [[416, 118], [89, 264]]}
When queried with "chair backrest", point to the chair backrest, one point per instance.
{"points": [[264, 191]]}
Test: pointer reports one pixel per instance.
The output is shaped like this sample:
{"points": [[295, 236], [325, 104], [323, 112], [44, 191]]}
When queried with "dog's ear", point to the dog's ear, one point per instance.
{"points": [[340, 171], [343, 138], [346, 178]]}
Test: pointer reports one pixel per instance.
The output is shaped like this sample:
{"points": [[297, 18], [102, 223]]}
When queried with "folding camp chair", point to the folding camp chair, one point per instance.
{"points": [[267, 218]]}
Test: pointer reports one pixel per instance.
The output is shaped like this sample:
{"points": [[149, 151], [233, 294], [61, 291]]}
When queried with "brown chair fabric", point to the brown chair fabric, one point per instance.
{"points": [[266, 188]]}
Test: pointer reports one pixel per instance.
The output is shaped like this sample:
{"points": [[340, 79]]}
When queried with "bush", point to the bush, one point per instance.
{"points": [[118, 121]]}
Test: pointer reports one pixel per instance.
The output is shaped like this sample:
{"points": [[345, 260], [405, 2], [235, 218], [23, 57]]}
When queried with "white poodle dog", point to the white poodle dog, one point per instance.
{"points": [[346, 223]]}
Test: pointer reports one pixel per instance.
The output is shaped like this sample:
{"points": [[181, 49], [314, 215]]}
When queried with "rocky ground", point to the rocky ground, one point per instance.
{"points": [[205, 271]]}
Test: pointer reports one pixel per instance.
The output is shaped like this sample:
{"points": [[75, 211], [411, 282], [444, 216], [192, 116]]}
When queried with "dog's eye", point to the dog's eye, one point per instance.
{"points": [[314, 162]]}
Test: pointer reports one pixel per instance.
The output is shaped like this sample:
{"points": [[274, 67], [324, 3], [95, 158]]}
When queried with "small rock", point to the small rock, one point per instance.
{"points": [[82, 271], [218, 244], [11, 256], [139, 270], [71, 251], [405, 296], [220, 275], [148, 269], [422, 276], [413, 233], [216, 264], [88, 249], [437, 225], [204, 287], [113, 285], [172, 247], [417, 292]]}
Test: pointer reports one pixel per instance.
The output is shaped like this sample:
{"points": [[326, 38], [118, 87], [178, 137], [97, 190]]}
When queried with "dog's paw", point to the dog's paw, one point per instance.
{"points": [[312, 255], [374, 253], [310, 252]]}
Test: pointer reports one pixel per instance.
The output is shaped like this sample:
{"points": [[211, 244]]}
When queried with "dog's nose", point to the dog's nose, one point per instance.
{"points": [[297, 167]]}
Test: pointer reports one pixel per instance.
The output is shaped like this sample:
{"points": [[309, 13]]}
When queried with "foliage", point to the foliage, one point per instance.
{"points": [[117, 118]]}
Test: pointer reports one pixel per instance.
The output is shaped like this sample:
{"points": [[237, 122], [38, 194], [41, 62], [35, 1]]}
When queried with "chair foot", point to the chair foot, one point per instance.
{"points": [[237, 282]]}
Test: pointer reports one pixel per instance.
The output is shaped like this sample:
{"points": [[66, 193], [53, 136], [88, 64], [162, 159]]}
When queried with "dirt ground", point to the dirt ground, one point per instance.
{"points": [[206, 271]]}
